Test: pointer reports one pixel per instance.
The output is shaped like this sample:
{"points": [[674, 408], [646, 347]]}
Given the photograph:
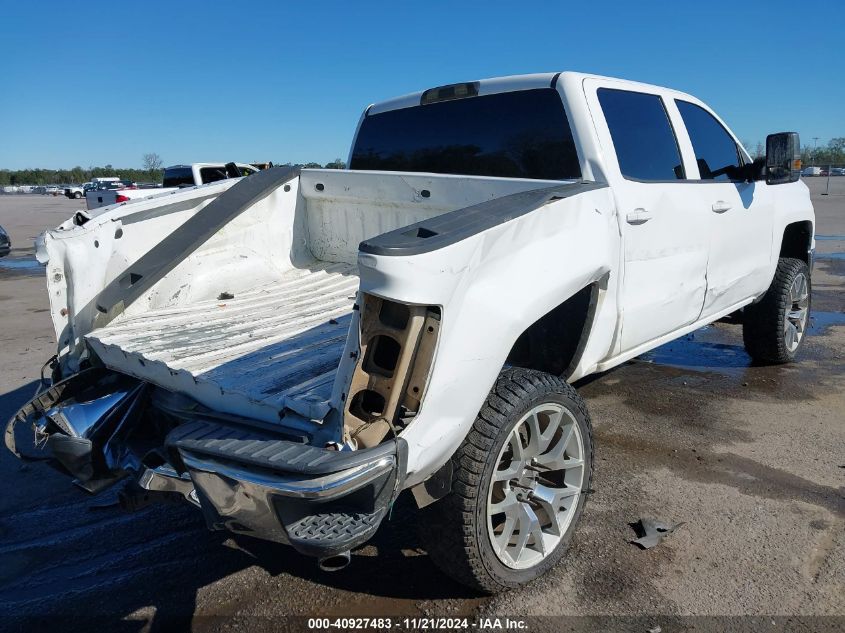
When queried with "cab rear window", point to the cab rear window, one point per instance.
{"points": [[521, 134], [178, 177]]}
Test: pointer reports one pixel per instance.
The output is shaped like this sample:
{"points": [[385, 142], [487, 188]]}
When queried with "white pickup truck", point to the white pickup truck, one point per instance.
{"points": [[290, 351], [175, 177]]}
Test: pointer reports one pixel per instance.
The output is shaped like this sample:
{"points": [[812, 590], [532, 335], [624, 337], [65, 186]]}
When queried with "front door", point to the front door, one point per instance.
{"points": [[741, 213]]}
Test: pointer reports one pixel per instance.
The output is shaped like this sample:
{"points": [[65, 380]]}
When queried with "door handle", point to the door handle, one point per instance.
{"points": [[638, 216], [720, 206]]}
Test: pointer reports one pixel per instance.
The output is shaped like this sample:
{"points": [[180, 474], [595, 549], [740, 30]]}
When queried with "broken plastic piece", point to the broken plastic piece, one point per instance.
{"points": [[652, 531]]}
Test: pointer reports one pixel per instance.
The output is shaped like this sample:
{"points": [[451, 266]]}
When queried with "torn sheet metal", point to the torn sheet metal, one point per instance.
{"points": [[84, 421]]}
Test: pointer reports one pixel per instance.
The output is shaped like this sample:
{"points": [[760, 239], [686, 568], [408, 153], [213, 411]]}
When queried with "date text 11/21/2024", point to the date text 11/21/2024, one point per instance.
{"points": [[416, 624]]}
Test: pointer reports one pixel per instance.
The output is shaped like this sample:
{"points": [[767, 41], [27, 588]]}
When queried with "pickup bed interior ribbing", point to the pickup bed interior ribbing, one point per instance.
{"points": [[256, 318]]}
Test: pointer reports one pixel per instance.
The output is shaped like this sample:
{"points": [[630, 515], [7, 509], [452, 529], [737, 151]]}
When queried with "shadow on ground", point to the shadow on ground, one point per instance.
{"points": [[69, 557]]}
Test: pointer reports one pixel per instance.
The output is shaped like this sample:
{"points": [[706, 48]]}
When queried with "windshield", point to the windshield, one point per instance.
{"points": [[522, 134]]}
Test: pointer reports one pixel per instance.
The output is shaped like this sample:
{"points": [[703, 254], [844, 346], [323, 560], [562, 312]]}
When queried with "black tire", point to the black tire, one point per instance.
{"points": [[77, 195], [454, 530], [764, 322]]}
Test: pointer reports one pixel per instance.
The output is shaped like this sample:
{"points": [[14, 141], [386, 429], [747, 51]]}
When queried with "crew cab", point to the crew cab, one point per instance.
{"points": [[175, 177], [289, 352]]}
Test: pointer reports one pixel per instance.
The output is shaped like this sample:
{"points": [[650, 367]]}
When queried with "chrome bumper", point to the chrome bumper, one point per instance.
{"points": [[320, 502]]}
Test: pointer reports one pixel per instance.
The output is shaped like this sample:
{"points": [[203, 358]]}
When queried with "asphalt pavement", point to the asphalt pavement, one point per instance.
{"points": [[750, 459]]}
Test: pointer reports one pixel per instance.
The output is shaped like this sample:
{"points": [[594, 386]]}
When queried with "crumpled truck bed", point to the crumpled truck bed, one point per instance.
{"points": [[274, 346]]}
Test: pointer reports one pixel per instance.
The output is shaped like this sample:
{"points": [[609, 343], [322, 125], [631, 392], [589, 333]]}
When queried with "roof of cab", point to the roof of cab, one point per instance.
{"points": [[511, 83]]}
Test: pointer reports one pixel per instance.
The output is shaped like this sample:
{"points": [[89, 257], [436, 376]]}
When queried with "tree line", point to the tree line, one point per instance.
{"points": [[831, 154], [78, 175]]}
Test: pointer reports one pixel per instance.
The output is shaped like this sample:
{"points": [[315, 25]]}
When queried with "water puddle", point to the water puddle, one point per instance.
{"points": [[706, 350], [693, 351], [838, 256], [820, 321], [832, 238]]}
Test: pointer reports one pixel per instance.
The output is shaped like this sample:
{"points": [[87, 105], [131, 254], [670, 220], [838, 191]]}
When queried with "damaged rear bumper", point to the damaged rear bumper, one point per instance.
{"points": [[245, 479], [319, 501]]}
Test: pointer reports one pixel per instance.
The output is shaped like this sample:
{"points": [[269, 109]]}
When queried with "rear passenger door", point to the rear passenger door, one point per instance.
{"points": [[662, 217], [741, 218]]}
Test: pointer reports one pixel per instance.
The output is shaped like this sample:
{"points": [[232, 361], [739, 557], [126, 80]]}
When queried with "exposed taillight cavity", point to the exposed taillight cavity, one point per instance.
{"points": [[121, 198]]}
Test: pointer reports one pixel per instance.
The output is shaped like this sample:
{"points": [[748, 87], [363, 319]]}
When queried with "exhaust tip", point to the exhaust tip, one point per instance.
{"points": [[334, 563]]}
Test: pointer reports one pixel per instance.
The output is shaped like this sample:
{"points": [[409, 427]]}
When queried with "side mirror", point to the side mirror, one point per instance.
{"points": [[783, 158]]}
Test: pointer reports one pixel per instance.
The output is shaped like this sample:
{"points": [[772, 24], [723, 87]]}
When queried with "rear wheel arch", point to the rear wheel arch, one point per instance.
{"points": [[540, 348], [555, 342]]}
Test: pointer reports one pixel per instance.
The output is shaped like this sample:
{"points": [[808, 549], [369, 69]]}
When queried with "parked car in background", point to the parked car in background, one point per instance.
{"points": [[204, 173], [837, 171], [113, 184], [175, 177], [5, 242], [78, 191], [52, 190], [811, 171]]}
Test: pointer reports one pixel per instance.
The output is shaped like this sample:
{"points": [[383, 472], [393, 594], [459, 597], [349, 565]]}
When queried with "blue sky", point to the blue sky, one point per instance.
{"points": [[89, 83]]}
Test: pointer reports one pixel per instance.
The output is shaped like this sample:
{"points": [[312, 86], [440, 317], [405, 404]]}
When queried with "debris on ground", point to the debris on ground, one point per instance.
{"points": [[652, 531]]}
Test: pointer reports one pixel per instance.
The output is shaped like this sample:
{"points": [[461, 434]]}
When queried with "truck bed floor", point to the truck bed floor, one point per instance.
{"points": [[274, 346]]}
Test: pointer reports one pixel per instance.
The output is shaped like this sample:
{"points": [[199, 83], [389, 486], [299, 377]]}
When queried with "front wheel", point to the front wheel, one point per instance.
{"points": [[519, 485], [774, 328], [77, 195]]}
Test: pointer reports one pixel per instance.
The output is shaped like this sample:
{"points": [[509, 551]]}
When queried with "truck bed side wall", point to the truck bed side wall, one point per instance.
{"points": [[492, 286]]}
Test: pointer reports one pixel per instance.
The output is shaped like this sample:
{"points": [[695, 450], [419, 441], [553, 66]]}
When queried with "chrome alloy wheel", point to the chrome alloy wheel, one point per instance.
{"points": [[536, 486], [796, 312]]}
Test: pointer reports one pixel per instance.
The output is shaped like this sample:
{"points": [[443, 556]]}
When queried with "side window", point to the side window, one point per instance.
{"points": [[642, 135], [715, 151], [212, 174]]}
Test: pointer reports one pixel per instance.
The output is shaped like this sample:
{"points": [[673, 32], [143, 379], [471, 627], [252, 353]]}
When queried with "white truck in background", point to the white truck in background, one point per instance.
{"points": [[288, 352], [175, 177], [76, 192]]}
